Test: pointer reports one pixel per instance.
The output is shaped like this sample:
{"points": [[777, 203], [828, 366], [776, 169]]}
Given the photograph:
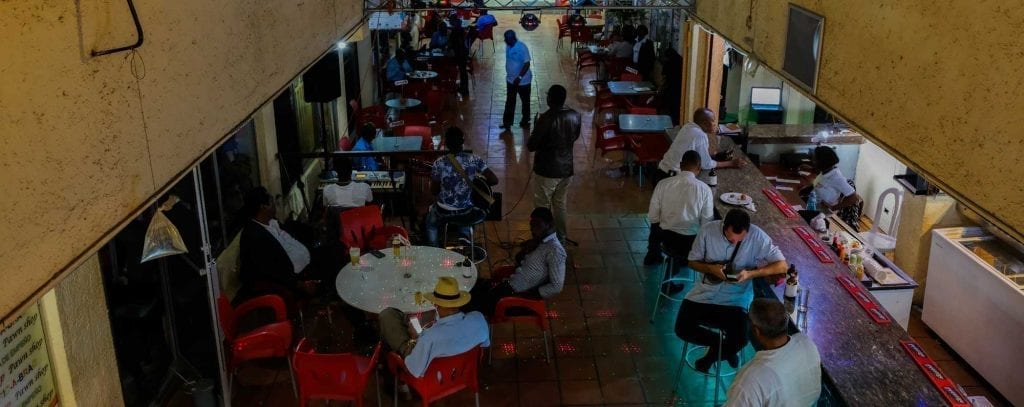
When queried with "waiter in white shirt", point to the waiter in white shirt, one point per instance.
{"points": [[694, 136], [786, 371], [679, 206]]}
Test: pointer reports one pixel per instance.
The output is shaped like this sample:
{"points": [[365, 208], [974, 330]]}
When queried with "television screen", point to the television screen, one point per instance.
{"points": [[766, 96], [803, 46]]}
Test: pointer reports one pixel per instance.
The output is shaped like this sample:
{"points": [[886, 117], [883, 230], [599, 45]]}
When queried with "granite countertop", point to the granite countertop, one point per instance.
{"points": [[863, 359], [798, 134]]}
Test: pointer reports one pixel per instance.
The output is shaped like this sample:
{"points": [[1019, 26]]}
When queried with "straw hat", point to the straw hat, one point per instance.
{"points": [[447, 293]]}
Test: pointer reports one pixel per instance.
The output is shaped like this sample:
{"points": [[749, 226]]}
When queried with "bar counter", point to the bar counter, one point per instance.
{"points": [[799, 134], [863, 360]]}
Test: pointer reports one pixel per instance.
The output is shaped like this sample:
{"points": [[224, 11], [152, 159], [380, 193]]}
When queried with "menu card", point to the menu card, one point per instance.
{"points": [[25, 375]]}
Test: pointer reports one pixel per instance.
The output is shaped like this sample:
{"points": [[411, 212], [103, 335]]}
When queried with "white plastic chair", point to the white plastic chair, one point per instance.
{"points": [[875, 238]]}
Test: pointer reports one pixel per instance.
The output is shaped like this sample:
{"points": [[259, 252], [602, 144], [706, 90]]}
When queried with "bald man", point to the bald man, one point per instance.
{"points": [[517, 80]]}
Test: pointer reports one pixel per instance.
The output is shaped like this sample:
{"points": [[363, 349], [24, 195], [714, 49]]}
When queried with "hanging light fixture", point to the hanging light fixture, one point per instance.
{"points": [[529, 21], [750, 65]]}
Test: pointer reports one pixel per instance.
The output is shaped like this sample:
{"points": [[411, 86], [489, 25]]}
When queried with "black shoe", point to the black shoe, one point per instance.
{"points": [[704, 364], [675, 288], [651, 259], [733, 360], [524, 124]]}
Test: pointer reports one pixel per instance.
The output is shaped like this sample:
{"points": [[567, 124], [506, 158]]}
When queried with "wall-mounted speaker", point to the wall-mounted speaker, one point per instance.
{"points": [[322, 82]]}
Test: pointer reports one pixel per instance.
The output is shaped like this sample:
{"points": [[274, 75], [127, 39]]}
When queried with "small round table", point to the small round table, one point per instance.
{"points": [[397, 103], [377, 284]]}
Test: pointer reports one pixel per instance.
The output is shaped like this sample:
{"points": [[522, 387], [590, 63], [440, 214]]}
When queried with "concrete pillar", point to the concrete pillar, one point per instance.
{"points": [[919, 214]]}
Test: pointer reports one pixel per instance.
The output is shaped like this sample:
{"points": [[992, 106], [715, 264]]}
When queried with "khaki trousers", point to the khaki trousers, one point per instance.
{"points": [[551, 193]]}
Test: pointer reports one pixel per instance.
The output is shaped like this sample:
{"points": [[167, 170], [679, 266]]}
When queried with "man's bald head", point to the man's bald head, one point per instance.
{"points": [[705, 118]]}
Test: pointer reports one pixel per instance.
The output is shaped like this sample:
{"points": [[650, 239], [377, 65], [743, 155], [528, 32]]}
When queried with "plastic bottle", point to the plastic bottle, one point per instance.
{"points": [[812, 201], [712, 178]]}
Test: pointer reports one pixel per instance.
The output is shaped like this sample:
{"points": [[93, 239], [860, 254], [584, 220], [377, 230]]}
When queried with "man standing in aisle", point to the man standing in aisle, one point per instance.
{"points": [[730, 253], [679, 206], [551, 142], [787, 369], [643, 53], [517, 80]]}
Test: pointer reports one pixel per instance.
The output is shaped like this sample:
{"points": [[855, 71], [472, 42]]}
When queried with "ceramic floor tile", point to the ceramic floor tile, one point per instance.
{"points": [[577, 369], [539, 394], [622, 390], [583, 392]]}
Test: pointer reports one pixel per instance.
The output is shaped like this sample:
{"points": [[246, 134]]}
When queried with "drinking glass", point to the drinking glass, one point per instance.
{"points": [[803, 295], [353, 256]]}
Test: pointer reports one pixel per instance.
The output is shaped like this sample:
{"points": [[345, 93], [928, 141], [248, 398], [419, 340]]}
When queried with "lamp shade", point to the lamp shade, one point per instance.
{"points": [[529, 21]]}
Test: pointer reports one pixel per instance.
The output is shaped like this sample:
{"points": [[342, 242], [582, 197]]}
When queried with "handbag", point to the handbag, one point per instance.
{"points": [[482, 196]]}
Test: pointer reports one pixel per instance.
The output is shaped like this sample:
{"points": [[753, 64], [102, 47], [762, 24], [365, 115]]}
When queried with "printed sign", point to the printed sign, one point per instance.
{"points": [[941, 381], [870, 306], [812, 241], [25, 376], [780, 202]]}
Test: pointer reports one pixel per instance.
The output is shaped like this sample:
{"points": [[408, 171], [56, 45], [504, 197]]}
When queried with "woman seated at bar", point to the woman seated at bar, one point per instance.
{"points": [[832, 192], [364, 142]]}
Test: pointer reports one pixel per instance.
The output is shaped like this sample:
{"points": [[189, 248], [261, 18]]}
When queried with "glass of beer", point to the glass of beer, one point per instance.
{"points": [[353, 255]]}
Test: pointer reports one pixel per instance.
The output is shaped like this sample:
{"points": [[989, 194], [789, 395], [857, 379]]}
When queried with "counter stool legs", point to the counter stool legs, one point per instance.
{"points": [[717, 366], [667, 281], [472, 243]]}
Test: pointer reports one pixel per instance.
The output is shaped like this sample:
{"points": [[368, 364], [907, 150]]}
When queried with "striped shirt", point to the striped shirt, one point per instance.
{"points": [[543, 268]]}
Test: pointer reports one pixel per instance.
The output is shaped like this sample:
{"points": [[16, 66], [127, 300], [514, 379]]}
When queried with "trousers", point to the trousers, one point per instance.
{"points": [[394, 328], [695, 318], [510, 103], [551, 193]]}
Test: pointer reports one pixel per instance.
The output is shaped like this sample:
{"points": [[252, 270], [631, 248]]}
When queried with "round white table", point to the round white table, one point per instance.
{"points": [[377, 284], [422, 74]]}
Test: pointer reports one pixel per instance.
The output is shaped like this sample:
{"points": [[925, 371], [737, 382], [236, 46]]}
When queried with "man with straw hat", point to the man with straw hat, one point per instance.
{"points": [[453, 332]]}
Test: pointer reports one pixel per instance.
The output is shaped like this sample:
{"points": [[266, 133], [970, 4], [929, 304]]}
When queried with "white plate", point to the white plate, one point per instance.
{"points": [[736, 198]]}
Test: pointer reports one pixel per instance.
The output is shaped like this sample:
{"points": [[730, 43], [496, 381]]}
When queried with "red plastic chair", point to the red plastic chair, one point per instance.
{"points": [[273, 340], [586, 59], [530, 311], [607, 139], [364, 228], [648, 149], [345, 144], [422, 132], [487, 33], [627, 76], [340, 376], [444, 376]]}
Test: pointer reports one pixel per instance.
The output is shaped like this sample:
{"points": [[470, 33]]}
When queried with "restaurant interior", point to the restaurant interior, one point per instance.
{"points": [[871, 293]]}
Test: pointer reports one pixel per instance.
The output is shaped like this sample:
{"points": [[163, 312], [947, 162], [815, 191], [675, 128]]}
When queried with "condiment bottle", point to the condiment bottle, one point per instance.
{"points": [[712, 178], [791, 282]]}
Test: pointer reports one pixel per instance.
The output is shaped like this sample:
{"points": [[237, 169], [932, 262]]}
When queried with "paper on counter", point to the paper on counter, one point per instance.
{"points": [[782, 188], [788, 181]]}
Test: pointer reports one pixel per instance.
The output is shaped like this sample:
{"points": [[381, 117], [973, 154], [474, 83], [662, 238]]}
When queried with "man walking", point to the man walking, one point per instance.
{"points": [[551, 142], [517, 80]]}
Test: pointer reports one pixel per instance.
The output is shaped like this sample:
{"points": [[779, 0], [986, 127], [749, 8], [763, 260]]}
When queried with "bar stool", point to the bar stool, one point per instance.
{"points": [[719, 367], [674, 258], [471, 224]]}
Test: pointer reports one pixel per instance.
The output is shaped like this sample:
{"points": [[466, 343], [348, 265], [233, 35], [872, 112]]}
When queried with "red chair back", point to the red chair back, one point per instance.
{"points": [[345, 144], [487, 33], [538, 311], [226, 314], [446, 376], [331, 376], [359, 225], [422, 132], [627, 76], [643, 110], [435, 101]]}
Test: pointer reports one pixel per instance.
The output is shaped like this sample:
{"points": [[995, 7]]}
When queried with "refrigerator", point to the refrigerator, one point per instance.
{"points": [[974, 301]]}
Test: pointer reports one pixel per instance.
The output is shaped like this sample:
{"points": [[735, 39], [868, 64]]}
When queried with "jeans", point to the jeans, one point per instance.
{"points": [[510, 103], [695, 318], [550, 193], [437, 217]]}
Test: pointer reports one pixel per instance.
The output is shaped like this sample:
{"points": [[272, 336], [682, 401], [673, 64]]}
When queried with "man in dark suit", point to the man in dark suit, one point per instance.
{"points": [[271, 259], [643, 53]]}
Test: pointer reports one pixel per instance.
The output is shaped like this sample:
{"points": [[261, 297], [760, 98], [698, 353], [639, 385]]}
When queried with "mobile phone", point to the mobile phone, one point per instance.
{"points": [[377, 253], [732, 277], [415, 322]]}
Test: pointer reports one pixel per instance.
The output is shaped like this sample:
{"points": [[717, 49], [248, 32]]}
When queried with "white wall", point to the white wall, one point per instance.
{"points": [[875, 169]]}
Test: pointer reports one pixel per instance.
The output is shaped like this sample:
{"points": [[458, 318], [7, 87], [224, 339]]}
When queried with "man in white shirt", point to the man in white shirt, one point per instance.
{"points": [[679, 206], [694, 136], [270, 258], [786, 372], [517, 80], [346, 194], [453, 333]]}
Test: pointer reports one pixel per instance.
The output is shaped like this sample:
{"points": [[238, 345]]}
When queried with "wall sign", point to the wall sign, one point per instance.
{"points": [[25, 375]]}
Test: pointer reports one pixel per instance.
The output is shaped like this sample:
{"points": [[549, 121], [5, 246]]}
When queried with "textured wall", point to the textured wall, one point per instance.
{"points": [[83, 143], [933, 81], [87, 340]]}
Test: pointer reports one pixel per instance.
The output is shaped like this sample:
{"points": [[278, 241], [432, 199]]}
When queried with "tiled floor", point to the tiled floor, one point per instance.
{"points": [[604, 349]]}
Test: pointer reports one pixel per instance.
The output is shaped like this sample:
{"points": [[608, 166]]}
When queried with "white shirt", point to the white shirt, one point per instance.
{"points": [[352, 195], [543, 268], [787, 376], [297, 252], [831, 185], [681, 204], [711, 246], [636, 50], [690, 137], [449, 336]]}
